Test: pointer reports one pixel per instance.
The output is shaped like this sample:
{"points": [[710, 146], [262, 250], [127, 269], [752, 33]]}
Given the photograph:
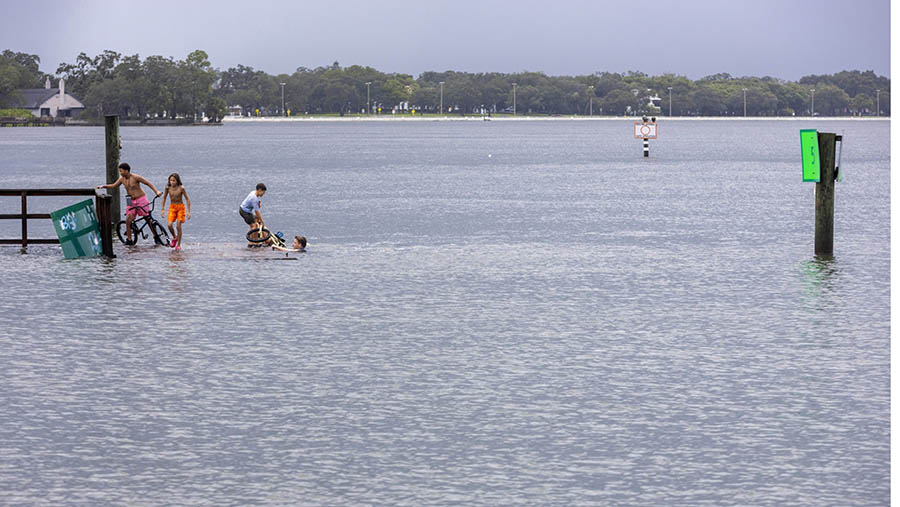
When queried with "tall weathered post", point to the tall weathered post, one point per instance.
{"points": [[112, 163], [103, 204], [825, 195]]}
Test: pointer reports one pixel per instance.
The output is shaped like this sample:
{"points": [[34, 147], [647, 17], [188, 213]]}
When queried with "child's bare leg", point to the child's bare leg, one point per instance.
{"points": [[129, 218], [171, 234], [179, 232]]}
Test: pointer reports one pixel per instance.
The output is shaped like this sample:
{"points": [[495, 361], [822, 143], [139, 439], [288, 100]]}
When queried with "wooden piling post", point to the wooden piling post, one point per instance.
{"points": [[112, 163], [24, 219], [825, 196], [103, 204]]}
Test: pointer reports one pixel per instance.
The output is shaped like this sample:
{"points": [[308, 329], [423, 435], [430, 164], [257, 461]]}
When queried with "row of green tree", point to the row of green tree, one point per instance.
{"points": [[162, 87]]}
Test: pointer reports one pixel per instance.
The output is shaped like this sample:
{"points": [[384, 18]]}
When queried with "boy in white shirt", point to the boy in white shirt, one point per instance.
{"points": [[249, 209]]}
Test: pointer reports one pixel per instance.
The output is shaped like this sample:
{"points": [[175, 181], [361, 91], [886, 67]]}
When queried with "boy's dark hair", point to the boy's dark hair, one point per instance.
{"points": [[301, 240], [177, 179], [125, 167], [261, 186]]}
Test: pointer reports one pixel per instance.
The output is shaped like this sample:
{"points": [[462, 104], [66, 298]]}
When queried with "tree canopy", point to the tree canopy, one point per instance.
{"points": [[163, 87], [18, 71]]}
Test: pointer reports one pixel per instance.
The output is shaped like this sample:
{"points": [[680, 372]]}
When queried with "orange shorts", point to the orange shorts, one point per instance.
{"points": [[176, 212]]}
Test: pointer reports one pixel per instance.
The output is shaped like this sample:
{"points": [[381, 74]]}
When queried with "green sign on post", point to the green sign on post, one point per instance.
{"points": [[78, 230], [809, 146]]}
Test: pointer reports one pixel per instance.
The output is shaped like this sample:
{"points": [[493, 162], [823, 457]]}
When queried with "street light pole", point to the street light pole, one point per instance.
{"points": [[591, 88], [514, 99], [745, 101], [368, 101], [877, 102], [812, 107], [442, 98], [282, 99], [670, 101]]}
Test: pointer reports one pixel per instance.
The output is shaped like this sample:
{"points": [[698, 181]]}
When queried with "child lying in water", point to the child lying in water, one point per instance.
{"points": [[299, 244]]}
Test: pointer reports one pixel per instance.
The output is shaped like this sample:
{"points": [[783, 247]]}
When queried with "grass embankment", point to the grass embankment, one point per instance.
{"points": [[16, 113]]}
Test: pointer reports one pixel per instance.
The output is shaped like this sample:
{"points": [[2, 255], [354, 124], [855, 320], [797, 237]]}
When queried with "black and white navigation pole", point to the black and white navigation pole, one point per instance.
{"points": [[646, 130]]}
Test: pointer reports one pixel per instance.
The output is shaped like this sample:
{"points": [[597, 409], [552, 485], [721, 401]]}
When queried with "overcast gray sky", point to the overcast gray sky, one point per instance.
{"points": [[781, 38]]}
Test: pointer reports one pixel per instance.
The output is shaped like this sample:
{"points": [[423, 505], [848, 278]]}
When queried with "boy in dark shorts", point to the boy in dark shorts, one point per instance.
{"points": [[249, 209]]}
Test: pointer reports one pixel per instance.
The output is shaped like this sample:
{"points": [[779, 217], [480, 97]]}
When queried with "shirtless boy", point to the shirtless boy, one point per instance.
{"points": [[177, 214], [139, 206]]}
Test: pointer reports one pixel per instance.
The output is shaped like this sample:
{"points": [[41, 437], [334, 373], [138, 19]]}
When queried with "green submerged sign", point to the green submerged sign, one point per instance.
{"points": [[809, 146], [78, 230]]}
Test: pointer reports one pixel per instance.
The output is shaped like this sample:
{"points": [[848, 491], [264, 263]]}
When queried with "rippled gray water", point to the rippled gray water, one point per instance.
{"points": [[488, 313]]}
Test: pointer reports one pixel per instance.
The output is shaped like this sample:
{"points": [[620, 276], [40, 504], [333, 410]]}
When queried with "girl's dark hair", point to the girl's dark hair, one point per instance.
{"points": [[177, 179], [301, 240]]}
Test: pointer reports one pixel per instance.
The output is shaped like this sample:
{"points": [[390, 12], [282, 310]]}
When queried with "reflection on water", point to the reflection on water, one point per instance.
{"points": [[820, 275], [548, 329]]}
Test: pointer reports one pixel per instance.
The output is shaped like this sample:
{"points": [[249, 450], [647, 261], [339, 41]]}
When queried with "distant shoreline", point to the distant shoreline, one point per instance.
{"points": [[419, 119], [384, 118]]}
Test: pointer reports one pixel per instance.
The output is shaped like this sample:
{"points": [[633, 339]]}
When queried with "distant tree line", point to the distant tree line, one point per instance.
{"points": [[18, 71], [162, 87]]}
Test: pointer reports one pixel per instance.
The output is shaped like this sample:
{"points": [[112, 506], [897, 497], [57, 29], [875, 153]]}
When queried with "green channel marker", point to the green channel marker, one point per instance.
{"points": [[809, 146]]}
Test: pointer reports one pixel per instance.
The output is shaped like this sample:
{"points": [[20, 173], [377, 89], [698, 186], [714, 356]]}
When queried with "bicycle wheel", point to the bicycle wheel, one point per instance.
{"points": [[257, 236], [123, 236], [160, 235]]}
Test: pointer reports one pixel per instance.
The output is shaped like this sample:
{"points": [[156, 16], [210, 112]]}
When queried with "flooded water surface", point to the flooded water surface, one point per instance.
{"points": [[488, 313]]}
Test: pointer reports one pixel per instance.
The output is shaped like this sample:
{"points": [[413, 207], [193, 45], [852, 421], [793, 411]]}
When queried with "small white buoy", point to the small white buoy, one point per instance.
{"points": [[489, 155]]}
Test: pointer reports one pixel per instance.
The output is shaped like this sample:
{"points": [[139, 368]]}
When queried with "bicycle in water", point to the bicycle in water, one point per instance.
{"points": [[157, 230]]}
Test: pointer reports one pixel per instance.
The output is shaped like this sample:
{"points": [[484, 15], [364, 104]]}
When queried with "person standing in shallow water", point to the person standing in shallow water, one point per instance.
{"points": [[249, 209], [177, 213], [139, 206]]}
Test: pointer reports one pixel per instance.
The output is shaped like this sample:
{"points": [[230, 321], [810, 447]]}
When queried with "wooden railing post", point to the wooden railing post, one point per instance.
{"points": [[103, 203], [112, 160], [24, 219], [825, 196]]}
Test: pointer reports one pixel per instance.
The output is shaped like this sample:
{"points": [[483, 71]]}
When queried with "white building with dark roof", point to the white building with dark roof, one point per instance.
{"points": [[46, 101]]}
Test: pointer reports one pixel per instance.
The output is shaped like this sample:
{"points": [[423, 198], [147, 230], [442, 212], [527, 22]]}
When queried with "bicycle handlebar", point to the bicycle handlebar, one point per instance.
{"points": [[152, 205]]}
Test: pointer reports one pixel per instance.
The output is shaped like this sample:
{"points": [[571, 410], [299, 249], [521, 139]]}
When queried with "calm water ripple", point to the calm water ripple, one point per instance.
{"points": [[558, 323]]}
